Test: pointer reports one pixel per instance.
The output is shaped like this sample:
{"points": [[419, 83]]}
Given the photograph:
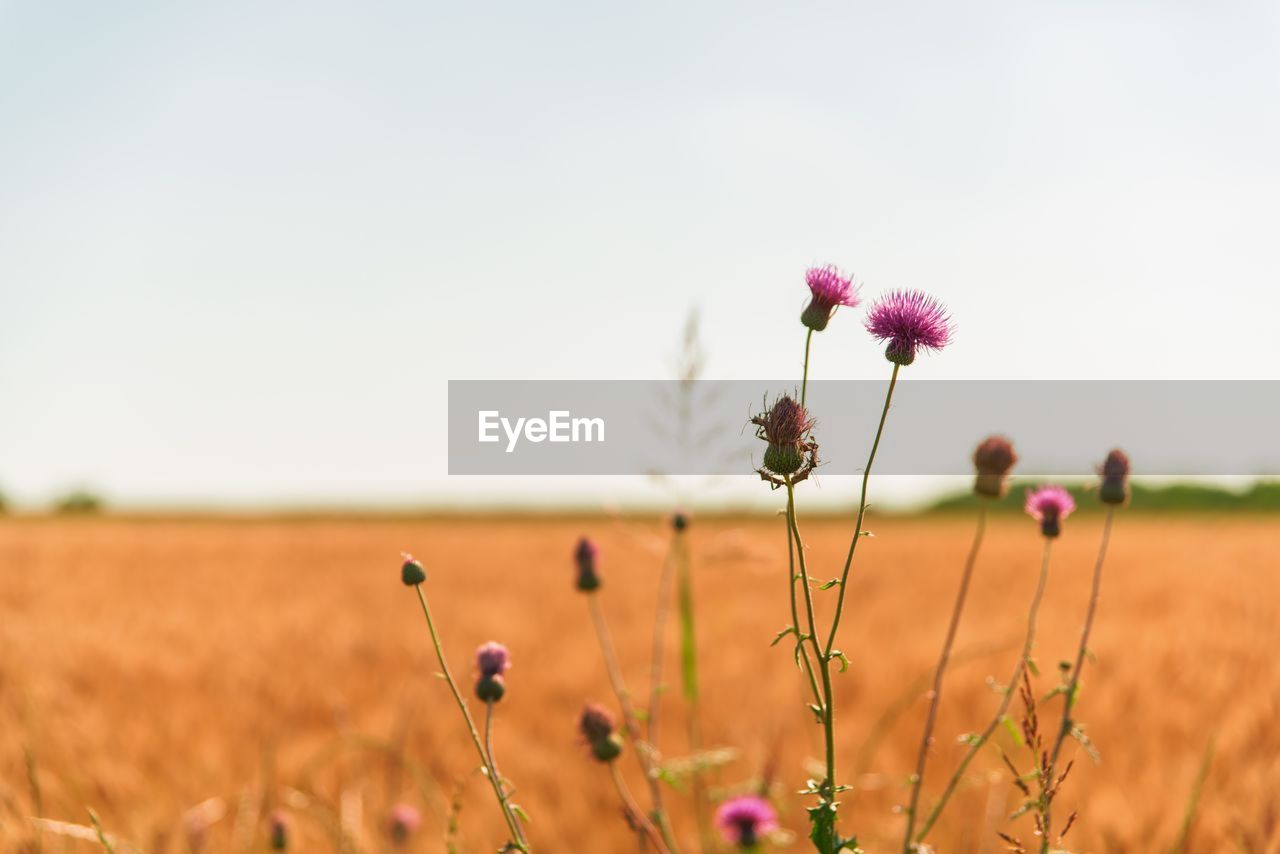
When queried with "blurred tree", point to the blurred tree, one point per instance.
{"points": [[79, 502]]}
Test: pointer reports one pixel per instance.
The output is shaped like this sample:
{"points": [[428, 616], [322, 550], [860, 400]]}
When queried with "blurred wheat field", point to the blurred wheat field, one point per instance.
{"points": [[147, 666]]}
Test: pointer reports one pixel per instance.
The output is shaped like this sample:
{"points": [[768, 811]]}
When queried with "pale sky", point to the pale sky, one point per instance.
{"points": [[244, 246]]}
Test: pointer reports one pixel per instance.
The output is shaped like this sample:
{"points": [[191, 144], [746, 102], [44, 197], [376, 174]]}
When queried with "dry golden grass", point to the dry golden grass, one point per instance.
{"points": [[150, 665]]}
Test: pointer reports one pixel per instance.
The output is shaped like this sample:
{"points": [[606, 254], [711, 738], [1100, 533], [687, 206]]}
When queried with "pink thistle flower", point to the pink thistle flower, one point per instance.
{"points": [[492, 659], [402, 821], [909, 320], [1049, 505], [744, 820], [830, 288]]}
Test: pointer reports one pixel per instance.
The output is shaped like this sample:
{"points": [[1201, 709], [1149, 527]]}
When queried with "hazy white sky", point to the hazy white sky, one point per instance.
{"points": [[243, 246]]}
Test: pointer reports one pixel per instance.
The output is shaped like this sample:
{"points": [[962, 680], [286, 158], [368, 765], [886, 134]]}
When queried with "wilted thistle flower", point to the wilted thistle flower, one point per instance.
{"points": [[492, 660], [745, 820], [402, 821], [1049, 505], [1115, 478], [596, 726], [786, 427], [584, 556], [830, 288], [909, 320], [278, 830], [411, 573], [993, 459]]}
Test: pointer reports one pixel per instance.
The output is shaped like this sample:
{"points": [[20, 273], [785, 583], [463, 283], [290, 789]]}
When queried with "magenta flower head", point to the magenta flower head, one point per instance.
{"points": [[402, 821], [792, 452], [830, 288], [1115, 478], [908, 321], [492, 660], [1049, 505], [597, 728], [745, 820], [584, 557]]}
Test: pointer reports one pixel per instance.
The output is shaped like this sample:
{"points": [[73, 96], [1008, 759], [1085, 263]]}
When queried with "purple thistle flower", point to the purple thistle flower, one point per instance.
{"points": [[745, 819], [908, 320], [993, 459], [402, 821], [597, 728], [830, 288], [1049, 505], [492, 659]]}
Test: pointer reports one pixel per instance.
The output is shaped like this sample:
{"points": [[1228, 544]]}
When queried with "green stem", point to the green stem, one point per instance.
{"points": [[1068, 699], [795, 618], [824, 660], [637, 814], [512, 824], [643, 750], [804, 382], [935, 695], [976, 744], [862, 511]]}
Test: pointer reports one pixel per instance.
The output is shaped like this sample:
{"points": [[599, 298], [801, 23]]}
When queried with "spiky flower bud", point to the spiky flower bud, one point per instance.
{"points": [[411, 573], [829, 288], [584, 557], [908, 321], [1115, 478], [745, 820], [786, 428], [993, 459], [680, 521], [597, 728], [1049, 505]]}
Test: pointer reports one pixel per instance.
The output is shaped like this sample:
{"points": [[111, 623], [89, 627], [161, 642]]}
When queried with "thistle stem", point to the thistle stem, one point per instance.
{"points": [[1068, 699], [512, 824], [637, 814], [804, 380], [977, 743], [935, 695], [824, 660], [643, 750], [862, 511], [659, 637], [504, 795], [795, 618]]}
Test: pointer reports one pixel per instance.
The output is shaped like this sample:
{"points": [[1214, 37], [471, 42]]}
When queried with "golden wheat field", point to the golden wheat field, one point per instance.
{"points": [[148, 667]]}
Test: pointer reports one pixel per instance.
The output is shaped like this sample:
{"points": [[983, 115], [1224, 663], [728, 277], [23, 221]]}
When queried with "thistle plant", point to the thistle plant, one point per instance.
{"points": [[993, 460], [1114, 493], [745, 821], [492, 661], [1049, 506], [588, 582], [907, 322], [598, 731]]}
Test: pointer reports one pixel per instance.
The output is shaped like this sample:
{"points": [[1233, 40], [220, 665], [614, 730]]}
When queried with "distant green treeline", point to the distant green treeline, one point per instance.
{"points": [[1263, 496]]}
